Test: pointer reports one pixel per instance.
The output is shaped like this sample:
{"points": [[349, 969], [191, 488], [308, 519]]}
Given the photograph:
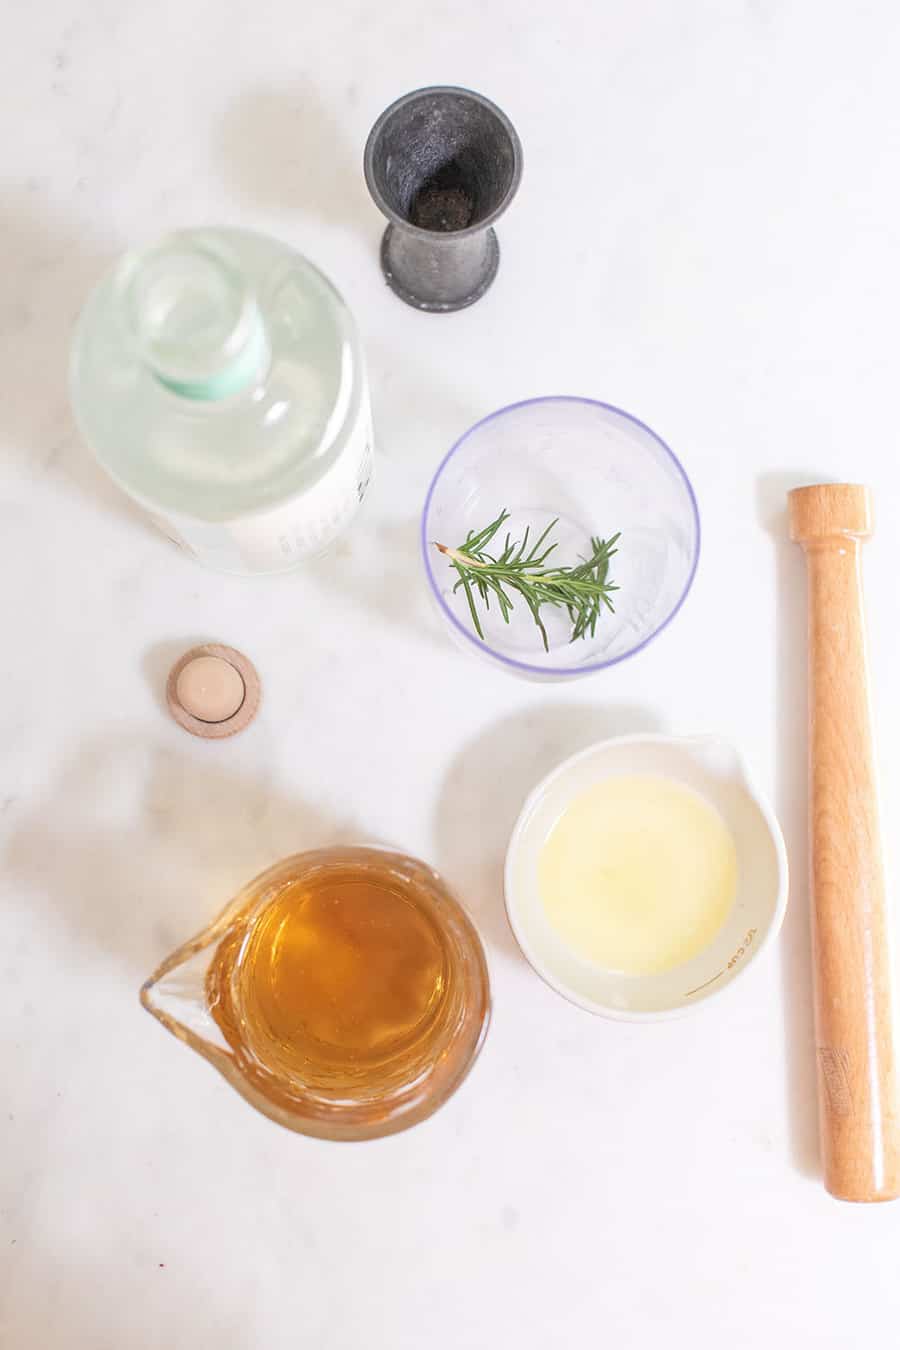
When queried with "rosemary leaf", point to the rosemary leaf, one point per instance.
{"points": [[519, 569]]}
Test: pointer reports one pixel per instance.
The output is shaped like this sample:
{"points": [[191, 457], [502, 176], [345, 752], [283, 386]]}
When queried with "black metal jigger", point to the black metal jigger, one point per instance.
{"points": [[442, 164]]}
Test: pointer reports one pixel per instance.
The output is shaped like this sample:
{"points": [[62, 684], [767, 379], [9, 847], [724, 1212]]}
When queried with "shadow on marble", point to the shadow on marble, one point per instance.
{"points": [[140, 845], [50, 267], [418, 414], [789, 654], [283, 147], [486, 788], [377, 566], [57, 1300]]}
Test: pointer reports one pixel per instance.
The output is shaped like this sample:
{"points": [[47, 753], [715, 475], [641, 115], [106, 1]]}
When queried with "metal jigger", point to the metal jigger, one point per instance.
{"points": [[442, 164]]}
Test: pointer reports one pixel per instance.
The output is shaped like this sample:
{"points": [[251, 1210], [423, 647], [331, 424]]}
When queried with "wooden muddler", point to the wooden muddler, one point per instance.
{"points": [[859, 1104]]}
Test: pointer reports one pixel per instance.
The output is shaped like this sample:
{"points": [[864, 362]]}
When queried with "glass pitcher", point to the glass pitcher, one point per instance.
{"points": [[344, 992]]}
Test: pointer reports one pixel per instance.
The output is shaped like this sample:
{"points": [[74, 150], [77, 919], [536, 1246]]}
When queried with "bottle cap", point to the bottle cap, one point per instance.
{"points": [[213, 691]]}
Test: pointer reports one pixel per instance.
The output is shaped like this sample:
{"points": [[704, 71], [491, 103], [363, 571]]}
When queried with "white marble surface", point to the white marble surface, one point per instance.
{"points": [[706, 235]]}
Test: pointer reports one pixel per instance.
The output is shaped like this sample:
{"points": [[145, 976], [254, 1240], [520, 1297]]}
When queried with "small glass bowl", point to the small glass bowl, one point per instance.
{"points": [[713, 769], [599, 471]]}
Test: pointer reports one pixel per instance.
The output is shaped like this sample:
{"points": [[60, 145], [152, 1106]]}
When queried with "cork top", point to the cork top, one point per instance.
{"points": [[213, 691]]}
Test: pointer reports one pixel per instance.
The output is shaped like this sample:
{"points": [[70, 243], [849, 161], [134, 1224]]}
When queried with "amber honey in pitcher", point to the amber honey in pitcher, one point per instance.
{"points": [[350, 990]]}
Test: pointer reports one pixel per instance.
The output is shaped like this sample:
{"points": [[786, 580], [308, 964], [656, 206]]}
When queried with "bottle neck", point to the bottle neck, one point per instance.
{"points": [[194, 320]]}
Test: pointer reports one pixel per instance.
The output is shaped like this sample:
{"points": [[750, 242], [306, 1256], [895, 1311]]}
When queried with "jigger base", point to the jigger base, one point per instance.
{"points": [[447, 305]]}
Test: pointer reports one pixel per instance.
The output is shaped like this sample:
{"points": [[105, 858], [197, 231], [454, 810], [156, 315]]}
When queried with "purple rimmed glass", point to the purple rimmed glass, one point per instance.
{"points": [[599, 471]]}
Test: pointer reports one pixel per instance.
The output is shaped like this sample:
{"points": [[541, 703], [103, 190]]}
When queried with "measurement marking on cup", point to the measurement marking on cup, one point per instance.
{"points": [[741, 951], [705, 984]]}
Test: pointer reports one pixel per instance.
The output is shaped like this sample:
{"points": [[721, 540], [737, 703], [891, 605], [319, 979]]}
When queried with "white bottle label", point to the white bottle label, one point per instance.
{"points": [[277, 539]]}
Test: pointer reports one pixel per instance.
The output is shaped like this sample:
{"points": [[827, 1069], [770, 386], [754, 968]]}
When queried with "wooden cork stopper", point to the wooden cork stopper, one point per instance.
{"points": [[213, 691]]}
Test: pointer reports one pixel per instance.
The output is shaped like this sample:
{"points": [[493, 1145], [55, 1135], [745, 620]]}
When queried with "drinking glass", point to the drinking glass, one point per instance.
{"points": [[598, 471]]}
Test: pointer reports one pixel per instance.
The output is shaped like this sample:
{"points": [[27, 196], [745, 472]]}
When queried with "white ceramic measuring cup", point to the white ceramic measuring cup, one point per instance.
{"points": [[715, 770]]}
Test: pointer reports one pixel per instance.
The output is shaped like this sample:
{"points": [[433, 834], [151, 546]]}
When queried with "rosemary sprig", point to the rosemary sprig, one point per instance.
{"points": [[581, 590]]}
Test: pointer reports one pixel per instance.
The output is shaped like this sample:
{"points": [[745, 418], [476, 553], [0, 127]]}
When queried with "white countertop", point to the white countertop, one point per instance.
{"points": [[706, 235]]}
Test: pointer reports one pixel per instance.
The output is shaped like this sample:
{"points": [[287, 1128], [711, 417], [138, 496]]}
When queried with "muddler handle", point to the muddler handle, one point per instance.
{"points": [[859, 1115]]}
